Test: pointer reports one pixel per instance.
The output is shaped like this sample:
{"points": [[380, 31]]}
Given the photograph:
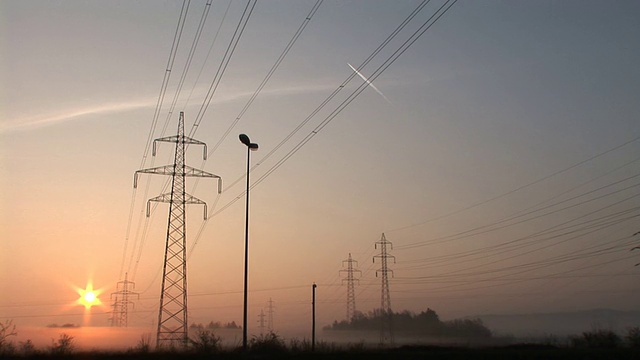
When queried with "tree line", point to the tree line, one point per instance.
{"points": [[214, 325], [426, 323]]}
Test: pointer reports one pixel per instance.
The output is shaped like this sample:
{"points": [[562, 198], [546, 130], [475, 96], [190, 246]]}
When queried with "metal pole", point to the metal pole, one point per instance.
{"points": [[313, 317], [246, 257]]}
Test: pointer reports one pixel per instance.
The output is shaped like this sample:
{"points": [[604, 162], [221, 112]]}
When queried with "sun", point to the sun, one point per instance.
{"points": [[89, 296]]}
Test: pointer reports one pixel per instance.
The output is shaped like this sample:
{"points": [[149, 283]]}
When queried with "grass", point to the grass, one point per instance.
{"points": [[521, 351]]}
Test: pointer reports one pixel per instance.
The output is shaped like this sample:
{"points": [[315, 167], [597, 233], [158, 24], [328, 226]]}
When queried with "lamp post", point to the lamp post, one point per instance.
{"points": [[250, 147], [313, 317]]}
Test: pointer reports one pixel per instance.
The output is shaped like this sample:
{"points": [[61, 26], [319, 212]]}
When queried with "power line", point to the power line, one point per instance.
{"points": [[593, 226], [517, 243], [233, 43], [390, 60], [187, 65], [519, 187], [492, 226], [335, 92], [163, 88], [270, 73]]}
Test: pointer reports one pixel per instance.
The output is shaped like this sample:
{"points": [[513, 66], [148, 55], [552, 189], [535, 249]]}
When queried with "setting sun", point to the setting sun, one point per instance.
{"points": [[89, 296]]}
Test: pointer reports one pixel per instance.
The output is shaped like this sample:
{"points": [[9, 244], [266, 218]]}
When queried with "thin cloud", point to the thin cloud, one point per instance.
{"points": [[38, 122], [31, 123]]}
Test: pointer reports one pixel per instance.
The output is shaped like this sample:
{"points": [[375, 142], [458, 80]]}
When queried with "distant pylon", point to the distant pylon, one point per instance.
{"points": [[386, 328], [172, 315], [351, 280], [270, 311], [261, 321], [121, 301]]}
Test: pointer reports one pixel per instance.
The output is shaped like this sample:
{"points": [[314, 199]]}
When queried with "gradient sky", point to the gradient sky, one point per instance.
{"points": [[500, 109]]}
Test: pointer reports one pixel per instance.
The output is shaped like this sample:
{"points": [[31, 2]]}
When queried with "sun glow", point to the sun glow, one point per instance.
{"points": [[89, 296]]}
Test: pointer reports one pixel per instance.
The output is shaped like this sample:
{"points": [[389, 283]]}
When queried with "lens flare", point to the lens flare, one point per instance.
{"points": [[89, 296]]}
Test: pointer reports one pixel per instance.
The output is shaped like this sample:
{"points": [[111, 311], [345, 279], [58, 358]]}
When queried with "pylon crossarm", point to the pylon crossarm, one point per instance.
{"points": [[190, 199], [161, 198], [166, 198], [160, 170], [185, 139], [169, 170], [193, 172]]}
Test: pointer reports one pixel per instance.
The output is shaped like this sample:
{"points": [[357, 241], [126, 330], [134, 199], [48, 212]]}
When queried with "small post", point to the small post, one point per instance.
{"points": [[313, 318]]}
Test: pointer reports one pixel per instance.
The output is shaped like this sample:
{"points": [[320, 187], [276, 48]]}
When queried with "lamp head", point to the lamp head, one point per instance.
{"points": [[245, 139]]}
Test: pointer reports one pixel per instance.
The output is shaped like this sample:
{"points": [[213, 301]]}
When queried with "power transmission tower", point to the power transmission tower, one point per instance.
{"points": [[261, 321], [172, 315], [270, 311], [351, 280], [386, 328], [124, 291]]}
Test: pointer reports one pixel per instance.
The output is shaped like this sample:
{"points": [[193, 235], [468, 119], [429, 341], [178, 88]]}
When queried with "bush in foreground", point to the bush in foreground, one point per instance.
{"points": [[267, 343], [205, 342], [597, 339], [633, 337]]}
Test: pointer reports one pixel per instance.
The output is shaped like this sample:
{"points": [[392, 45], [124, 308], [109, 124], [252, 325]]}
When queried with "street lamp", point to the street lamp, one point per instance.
{"points": [[250, 147]]}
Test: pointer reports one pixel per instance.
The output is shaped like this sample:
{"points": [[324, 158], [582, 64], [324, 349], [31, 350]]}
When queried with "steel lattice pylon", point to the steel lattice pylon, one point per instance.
{"points": [[121, 301], [351, 280], [172, 315], [270, 312], [386, 328]]}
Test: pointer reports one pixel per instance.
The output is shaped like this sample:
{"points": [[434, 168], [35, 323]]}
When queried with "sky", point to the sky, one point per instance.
{"points": [[499, 156]]}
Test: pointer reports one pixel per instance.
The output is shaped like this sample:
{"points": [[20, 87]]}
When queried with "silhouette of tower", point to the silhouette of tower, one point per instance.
{"points": [[261, 321], [270, 311], [386, 328], [172, 315], [121, 301], [351, 280]]}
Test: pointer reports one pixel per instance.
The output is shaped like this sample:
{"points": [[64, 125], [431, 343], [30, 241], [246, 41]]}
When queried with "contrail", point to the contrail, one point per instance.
{"points": [[369, 83]]}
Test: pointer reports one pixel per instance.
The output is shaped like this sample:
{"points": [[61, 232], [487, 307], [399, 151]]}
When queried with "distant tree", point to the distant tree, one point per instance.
{"points": [[426, 323], [214, 325], [231, 325], [466, 328], [428, 317]]}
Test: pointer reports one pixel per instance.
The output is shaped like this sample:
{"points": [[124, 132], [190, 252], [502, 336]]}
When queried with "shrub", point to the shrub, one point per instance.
{"points": [[603, 339], [27, 348], [63, 346], [270, 342], [633, 337], [144, 344], [205, 342], [7, 329]]}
